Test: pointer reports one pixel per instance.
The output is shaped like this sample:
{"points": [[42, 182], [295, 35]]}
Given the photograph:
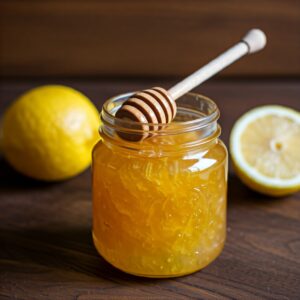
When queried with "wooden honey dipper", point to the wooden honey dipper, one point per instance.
{"points": [[158, 106]]}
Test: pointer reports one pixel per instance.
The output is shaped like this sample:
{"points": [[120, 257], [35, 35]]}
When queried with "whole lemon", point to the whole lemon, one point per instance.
{"points": [[49, 132]]}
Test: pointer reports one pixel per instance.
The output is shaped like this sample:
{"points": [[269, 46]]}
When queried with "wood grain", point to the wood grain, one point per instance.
{"points": [[46, 248], [130, 37]]}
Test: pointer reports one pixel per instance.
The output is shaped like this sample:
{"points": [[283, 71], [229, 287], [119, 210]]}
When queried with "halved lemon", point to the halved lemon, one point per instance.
{"points": [[265, 149]]}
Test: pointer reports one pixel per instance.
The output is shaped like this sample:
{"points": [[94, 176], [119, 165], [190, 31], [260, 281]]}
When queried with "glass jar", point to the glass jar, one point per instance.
{"points": [[159, 205]]}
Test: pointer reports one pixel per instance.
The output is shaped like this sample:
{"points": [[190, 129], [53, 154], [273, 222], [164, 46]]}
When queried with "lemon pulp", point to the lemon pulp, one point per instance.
{"points": [[159, 216]]}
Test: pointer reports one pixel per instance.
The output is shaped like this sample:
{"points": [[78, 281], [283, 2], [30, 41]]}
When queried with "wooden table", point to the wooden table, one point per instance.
{"points": [[46, 250]]}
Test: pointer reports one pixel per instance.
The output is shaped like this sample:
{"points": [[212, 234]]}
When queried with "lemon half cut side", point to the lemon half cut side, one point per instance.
{"points": [[265, 149]]}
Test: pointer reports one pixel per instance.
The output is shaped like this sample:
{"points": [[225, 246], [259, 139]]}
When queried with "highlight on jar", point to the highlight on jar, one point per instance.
{"points": [[160, 176]]}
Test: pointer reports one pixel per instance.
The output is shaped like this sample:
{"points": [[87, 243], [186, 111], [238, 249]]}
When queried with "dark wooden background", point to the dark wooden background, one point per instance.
{"points": [[143, 38]]}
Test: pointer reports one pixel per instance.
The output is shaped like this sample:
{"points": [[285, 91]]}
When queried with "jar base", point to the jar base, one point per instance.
{"points": [[158, 276]]}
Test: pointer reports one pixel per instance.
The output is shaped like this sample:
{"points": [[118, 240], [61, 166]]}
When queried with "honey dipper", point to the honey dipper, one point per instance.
{"points": [[158, 106]]}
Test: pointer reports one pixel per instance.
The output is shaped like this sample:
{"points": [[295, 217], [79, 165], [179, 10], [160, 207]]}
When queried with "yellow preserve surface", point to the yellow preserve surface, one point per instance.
{"points": [[159, 216]]}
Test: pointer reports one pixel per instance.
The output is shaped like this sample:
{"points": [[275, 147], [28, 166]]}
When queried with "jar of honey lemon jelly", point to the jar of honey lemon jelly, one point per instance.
{"points": [[159, 205]]}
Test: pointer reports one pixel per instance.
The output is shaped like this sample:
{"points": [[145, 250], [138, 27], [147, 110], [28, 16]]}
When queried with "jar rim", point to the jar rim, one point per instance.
{"points": [[114, 103]]}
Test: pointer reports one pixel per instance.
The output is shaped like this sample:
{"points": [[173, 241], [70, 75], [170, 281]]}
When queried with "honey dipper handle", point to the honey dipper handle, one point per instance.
{"points": [[253, 41]]}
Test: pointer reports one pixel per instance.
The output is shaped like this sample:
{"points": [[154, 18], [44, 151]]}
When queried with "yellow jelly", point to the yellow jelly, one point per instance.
{"points": [[159, 205]]}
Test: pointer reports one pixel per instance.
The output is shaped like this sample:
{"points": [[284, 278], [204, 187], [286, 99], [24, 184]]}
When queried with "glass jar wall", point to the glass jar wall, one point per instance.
{"points": [[159, 205]]}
